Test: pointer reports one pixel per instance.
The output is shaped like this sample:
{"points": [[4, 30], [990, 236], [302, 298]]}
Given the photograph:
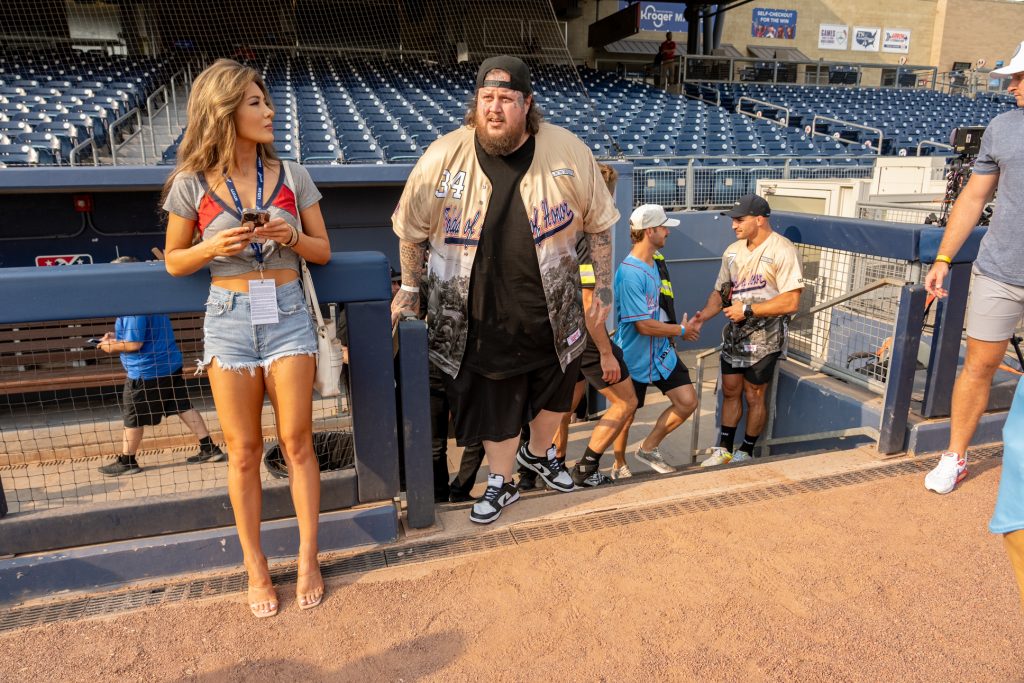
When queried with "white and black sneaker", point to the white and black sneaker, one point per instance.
{"points": [[551, 469], [496, 498]]}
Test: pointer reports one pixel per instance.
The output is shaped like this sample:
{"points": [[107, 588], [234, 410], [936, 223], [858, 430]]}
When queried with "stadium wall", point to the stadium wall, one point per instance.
{"points": [[941, 31]]}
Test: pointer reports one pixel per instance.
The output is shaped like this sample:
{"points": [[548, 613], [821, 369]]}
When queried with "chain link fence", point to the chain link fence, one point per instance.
{"points": [[852, 340], [698, 183]]}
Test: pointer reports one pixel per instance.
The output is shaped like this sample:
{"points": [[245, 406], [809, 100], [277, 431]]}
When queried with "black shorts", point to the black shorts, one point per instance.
{"points": [[146, 401], [486, 409], [590, 367], [679, 377], [758, 373]]}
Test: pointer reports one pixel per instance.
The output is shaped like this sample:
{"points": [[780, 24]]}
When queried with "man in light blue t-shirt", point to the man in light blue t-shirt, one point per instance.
{"points": [[154, 387], [644, 336]]}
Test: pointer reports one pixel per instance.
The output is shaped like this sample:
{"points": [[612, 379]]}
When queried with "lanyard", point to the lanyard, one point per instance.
{"points": [[257, 249]]}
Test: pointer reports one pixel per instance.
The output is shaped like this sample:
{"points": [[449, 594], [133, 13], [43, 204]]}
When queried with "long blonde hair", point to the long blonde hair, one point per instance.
{"points": [[209, 140]]}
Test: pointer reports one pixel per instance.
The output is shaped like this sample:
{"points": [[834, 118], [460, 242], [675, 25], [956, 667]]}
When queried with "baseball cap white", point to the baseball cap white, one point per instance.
{"points": [[1015, 65], [650, 216]]}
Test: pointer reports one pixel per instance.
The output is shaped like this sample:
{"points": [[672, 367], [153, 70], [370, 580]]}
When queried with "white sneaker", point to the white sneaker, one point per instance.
{"points": [[654, 460], [719, 456], [740, 456], [621, 472], [951, 470]]}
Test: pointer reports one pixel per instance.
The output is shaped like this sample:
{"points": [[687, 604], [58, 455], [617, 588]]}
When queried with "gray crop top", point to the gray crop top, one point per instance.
{"points": [[190, 198]]}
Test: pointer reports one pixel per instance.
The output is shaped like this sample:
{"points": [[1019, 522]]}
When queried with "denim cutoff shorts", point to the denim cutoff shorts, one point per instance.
{"points": [[237, 344]]}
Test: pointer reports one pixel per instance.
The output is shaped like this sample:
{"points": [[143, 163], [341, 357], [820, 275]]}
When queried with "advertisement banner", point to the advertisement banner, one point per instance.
{"points": [[773, 23], [660, 16], [833, 37], [866, 39], [896, 40]]}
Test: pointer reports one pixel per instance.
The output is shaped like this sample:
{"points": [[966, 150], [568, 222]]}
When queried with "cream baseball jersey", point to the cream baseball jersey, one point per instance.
{"points": [[445, 202]]}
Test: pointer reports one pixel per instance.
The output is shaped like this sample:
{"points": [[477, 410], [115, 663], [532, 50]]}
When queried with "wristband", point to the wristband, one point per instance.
{"points": [[945, 259], [410, 288], [682, 330]]}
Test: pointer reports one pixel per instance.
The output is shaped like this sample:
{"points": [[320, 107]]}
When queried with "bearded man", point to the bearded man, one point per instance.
{"points": [[500, 203]]}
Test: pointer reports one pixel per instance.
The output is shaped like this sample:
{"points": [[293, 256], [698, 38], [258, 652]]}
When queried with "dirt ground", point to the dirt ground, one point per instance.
{"points": [[879, 581]]}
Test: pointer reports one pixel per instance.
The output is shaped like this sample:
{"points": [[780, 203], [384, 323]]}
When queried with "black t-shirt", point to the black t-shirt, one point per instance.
{"points": [[509, 329]]}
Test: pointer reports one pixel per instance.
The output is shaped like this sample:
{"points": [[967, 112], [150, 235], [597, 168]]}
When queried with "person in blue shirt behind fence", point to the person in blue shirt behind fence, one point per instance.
{"points": [[154, 387]]}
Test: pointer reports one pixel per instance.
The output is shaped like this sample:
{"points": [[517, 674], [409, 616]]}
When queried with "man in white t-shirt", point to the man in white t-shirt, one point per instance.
{"points": [[758, 288]]}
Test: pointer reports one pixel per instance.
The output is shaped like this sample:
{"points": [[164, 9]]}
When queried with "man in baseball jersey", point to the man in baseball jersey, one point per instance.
{"points": [[644, 335], [500, 203], [758, 288]]}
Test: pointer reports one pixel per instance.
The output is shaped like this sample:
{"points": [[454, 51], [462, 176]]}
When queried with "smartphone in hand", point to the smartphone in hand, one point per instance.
{"points": [[93, 342], [255, 218]]}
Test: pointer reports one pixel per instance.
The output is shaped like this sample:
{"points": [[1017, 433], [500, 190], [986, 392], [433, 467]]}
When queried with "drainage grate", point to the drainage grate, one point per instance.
{"points": [[126, 601]]}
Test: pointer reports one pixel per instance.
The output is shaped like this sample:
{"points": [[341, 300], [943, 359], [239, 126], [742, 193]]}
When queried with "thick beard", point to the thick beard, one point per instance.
{"points": [[499, 145]]}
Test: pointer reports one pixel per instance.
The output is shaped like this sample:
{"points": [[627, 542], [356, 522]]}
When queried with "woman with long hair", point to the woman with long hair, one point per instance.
{"points": [[259, 338]]}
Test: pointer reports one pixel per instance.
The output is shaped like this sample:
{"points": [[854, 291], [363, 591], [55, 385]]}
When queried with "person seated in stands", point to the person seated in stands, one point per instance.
{"points": [[154, 387]]}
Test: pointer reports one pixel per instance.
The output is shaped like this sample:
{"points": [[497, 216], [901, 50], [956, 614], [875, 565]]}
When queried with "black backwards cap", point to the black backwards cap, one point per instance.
{"points": [[748, 205], [519, 74]]}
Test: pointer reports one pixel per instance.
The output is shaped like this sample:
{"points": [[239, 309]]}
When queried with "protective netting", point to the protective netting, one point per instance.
{"points": [[64, 406], [94, 82]]}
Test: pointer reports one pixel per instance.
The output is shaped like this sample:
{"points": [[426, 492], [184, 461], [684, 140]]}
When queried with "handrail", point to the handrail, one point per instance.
{"points": [[89, 142], [739, 110], [174, 99], [149, 111], [814, 66], [877, 131], [114, 146], [699, 383], [933, 143]]}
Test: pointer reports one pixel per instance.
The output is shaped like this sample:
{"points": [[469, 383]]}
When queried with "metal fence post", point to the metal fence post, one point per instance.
{"points": [[689, 185], [902, 366], [414, 397], [3, 500], [945, 355]]}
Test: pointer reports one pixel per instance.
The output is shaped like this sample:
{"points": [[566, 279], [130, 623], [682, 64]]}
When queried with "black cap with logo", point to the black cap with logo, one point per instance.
{"points": [[519, 74], [749, 205]]}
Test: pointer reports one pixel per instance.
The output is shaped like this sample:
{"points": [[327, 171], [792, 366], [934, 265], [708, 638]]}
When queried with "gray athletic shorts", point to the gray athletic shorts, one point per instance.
{"points": [[995, 309]]}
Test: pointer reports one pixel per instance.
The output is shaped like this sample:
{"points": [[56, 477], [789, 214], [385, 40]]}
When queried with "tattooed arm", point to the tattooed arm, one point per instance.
{"points": [[601, 257], [411, 255]]}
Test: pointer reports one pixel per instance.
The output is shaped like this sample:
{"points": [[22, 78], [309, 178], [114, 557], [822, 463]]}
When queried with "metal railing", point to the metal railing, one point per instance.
{"points": [[90, 143], [756, 70], [810, 313], [114, 127], [702, 88], [160, 92], [849, 124], [757, 115], [685, 183], [897, 213], [932, 143]]}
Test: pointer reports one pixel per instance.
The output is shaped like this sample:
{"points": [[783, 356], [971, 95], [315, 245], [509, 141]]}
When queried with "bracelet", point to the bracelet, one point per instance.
{"points": [[945, 259], [682, 330], [410, 288], [295, 237]]}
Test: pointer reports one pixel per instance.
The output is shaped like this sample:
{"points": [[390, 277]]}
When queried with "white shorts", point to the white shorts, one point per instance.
{"points": [[995, 309]]}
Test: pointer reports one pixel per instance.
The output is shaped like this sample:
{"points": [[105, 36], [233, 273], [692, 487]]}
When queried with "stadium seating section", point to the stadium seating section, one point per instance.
{"points": [[53, 101], [346, 109]]}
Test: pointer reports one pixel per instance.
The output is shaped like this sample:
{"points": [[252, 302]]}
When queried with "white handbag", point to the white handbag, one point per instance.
{"points": [[327, 381]]}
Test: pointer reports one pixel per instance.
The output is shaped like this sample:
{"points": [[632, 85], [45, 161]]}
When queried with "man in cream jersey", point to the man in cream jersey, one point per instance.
{"points": [[500, 203], [758, 288]]}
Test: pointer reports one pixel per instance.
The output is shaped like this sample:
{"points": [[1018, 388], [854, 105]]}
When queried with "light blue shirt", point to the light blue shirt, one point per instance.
{"points": [[1009, 513], [637, 288]]}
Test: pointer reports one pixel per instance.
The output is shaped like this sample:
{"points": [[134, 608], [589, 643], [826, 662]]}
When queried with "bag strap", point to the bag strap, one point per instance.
{"points": [[307, 279]]}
